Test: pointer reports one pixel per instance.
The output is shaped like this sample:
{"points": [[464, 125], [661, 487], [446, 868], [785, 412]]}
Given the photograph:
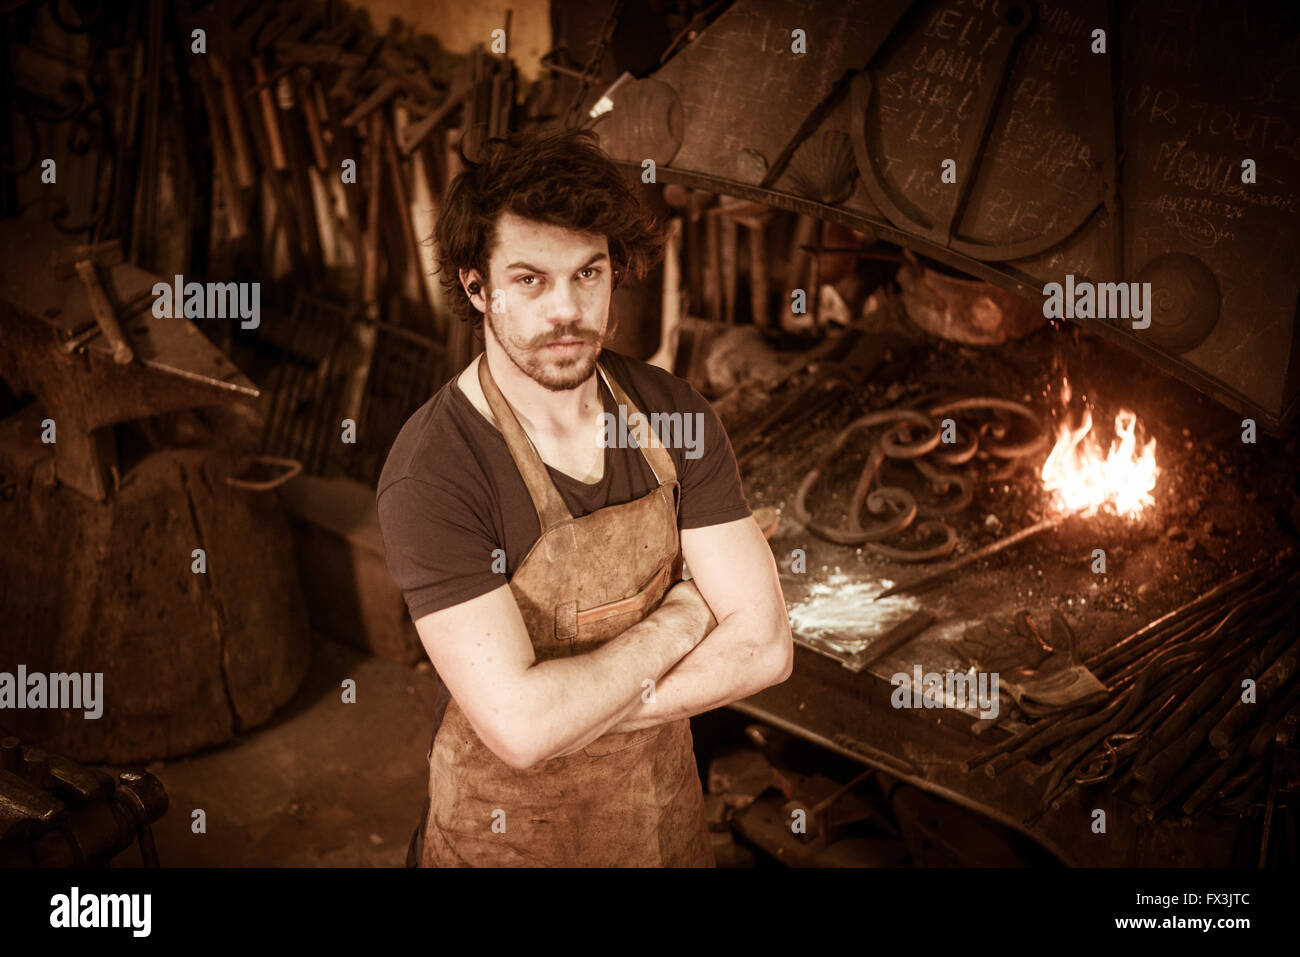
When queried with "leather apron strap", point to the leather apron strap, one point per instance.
{"points": [[551, 510], [661, 463]]}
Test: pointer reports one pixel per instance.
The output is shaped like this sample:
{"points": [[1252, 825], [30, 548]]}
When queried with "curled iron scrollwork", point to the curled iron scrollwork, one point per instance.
{"points": [[911, 436]]}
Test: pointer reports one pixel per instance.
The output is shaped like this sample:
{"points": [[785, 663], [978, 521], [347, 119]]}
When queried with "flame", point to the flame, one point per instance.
{"points": [[1083, 478]]}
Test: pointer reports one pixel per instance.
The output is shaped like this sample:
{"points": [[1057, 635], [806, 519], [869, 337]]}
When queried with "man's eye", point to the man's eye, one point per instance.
{"points": [[591, 272], [527, 280]]}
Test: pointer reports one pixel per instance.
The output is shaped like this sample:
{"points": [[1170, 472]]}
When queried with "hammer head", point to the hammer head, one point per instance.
{"points": [[64, 261]]}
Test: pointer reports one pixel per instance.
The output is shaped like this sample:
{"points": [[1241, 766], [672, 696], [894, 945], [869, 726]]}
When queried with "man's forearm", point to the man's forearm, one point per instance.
{"points": [[576, 700], [728, 665], [599, 730]]}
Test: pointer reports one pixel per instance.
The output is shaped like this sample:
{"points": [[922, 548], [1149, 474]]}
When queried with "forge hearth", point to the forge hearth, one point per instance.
{"points": [[1212, 515], [1213, 502]]}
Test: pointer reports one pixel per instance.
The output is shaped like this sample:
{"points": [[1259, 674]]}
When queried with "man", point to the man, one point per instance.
{"points": [[540, 550]]}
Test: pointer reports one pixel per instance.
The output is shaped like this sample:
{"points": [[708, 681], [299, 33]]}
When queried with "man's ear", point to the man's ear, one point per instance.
{"points": [[472, 283]]}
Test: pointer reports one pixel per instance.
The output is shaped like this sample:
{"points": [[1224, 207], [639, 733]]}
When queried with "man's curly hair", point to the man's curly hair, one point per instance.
{"points": [[562, 178]]}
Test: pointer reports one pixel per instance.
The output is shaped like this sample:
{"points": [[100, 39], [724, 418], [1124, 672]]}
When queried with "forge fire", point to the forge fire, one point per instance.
{"points": [[1083, 476]]}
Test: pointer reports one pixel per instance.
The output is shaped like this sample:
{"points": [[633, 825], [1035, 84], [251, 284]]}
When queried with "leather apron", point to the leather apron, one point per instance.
{"points": [[628, 799]]}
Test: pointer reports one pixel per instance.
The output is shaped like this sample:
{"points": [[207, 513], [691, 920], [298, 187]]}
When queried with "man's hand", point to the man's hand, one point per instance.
{"points": [[749, 650], [685, 599]]}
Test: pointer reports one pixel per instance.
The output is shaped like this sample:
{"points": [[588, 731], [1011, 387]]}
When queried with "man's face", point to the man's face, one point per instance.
{"points": [[547, 299]]}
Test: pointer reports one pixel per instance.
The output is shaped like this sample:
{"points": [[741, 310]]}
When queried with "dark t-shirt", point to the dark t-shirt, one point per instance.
{"points": [[450, 495]]}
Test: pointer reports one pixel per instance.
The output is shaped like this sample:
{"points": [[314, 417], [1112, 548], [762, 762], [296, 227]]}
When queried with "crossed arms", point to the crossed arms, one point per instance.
{"points": [[527, 711]]}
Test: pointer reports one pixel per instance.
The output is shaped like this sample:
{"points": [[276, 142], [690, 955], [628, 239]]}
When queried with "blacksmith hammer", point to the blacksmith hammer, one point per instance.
{"points": [[83, 265]]}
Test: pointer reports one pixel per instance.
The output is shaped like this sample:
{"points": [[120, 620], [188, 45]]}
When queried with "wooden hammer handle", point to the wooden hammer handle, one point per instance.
{"points": [[102, 310]]}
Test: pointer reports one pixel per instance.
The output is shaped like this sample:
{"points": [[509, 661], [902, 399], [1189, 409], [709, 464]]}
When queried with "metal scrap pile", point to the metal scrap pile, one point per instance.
{"points": [[934, 464], [1200, 706]]}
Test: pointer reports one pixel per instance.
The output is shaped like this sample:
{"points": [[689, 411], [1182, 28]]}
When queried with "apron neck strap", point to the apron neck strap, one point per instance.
{"points": [[551, 510], [661, 463]]}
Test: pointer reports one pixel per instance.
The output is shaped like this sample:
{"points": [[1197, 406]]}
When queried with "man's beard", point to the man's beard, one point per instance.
{"points": [[533, 359]]}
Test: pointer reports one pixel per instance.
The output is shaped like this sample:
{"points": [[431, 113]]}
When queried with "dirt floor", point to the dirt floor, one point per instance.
{"points": [[324, 784], [327, 784]]}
